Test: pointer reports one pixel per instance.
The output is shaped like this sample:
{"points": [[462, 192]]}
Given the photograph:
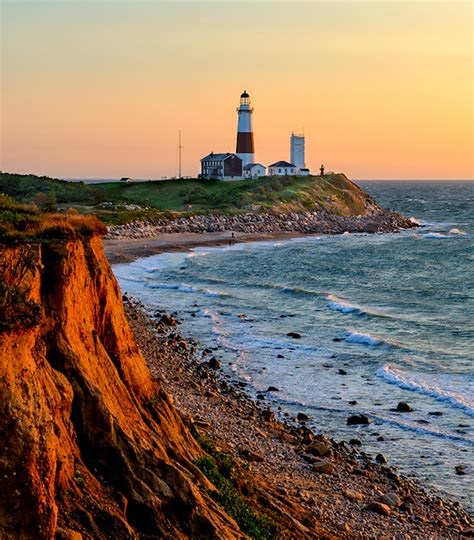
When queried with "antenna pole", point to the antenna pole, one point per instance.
{"points": [[179, 153]]}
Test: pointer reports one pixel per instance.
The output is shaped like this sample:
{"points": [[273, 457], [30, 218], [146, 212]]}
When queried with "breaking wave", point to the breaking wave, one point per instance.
{"points": [[422, 384]]}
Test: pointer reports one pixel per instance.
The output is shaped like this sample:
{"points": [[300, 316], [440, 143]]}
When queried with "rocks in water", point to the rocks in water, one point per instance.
{"points": [[353, 495], [391, 499], [242, 316], [380, 438], [272, 389], [280, 356], [358, 419], [168, 320], [380, 508], [342, 372], [294, 335], [324, 467], [214, 363], [404, 407], [355, 442], [337, 339], [435, 413], [353, 402], [380, 458], [302, 417], [460, 470]]}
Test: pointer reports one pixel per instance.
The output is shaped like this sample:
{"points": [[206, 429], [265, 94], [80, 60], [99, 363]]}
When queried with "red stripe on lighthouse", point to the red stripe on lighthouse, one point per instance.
{"points": [[245, 143]]}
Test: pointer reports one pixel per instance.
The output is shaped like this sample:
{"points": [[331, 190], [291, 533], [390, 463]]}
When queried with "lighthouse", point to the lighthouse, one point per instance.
{"points": [[245, 146]]}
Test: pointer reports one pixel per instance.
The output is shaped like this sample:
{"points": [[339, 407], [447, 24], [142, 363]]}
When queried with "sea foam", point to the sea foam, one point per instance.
{"points": [[426, 385]]}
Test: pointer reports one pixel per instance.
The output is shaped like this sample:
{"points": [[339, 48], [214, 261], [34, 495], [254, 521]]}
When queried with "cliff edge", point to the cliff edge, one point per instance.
{"points": [[90, 444]]}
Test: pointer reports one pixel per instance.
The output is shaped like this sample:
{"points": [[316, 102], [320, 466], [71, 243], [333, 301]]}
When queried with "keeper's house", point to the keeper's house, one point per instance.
{"points": [[282, 168], [254, 170], [221, 167]]}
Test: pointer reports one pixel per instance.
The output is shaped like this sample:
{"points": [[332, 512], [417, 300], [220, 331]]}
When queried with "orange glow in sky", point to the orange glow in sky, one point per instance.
{"points": [[99, 89]]}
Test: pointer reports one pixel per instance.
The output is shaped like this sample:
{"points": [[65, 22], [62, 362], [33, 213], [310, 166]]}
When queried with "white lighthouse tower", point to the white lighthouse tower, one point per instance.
{"points": [[297, 151], [245, 145]]}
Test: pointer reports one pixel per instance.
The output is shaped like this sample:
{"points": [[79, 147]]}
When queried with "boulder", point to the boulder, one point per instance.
{"points": [[358, 419], [404, 407], [324, 467], [380, 508], [214, 363], [353, 495], [391, 499], [318, 448], [380, 458], [294, 335]]}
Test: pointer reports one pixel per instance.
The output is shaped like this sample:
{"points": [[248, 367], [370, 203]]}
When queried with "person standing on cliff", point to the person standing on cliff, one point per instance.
{"points": [[321, 169]]}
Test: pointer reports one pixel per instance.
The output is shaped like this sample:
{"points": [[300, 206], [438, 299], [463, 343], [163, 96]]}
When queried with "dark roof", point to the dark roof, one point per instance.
{"points": [[218, 157], [244, 94], [250, 165], [282, 164]]}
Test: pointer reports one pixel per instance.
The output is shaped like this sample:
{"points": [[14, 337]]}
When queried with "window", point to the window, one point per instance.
{"points": [[279, 170]]}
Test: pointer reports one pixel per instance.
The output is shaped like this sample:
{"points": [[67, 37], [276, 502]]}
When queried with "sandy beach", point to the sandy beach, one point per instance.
{"points": [[125, 250]]}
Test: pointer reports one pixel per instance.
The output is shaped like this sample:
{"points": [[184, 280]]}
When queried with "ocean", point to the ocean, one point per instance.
{"points": [[382, 319]]}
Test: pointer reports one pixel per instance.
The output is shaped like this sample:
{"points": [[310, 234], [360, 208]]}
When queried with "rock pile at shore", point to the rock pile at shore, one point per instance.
{"points": [[374, 220]]}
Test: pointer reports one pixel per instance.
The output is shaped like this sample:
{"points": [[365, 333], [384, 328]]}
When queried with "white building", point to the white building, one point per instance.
{"points": [[221, 167], [254, 170], [282, 168], [297, 144]]}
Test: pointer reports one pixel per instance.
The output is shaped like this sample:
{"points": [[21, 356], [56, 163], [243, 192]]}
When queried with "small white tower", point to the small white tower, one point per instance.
{"points": [[297, 151], [245, 145]]}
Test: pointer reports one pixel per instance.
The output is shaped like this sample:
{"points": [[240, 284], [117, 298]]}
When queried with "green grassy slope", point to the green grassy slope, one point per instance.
{"points": [[333, 192]]}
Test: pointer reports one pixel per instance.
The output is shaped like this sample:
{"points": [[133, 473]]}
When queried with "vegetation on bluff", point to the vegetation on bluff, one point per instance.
{"points": [[119, 202]]}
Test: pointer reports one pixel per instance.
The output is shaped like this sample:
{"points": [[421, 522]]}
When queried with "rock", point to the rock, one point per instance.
{"points": [[211, 394], [214, 363], [272, 389], [358, 419], [294, 335], [302, 417], [168, 320], [468, 532], [406, 507], [353, 495], [380, 508], [67, 534], [318, 448], [435, 413], [324, 467], [268, 415], [353, 402], [280, 356], [404, 407], [337, 339], [380, 458], [342, 372], [391, 499], [460, 470], [380, 438], [355, 442], [249, 455]]}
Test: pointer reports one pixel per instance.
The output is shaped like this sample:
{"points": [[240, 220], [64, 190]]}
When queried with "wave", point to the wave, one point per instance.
{"points": [[365, 339], [422, 385], [337, 304], [457, 231], [183, 287], [436, 235]]}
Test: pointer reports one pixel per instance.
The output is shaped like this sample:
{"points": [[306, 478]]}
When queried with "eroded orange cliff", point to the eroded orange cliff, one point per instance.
{"points": [[89, 443]]}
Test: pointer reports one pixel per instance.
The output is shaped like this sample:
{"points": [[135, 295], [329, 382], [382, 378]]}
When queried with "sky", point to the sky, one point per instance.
{"points": [[101, 88]]}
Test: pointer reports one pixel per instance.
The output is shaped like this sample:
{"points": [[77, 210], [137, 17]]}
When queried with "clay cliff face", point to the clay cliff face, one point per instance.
{"points": [[89, 442]]}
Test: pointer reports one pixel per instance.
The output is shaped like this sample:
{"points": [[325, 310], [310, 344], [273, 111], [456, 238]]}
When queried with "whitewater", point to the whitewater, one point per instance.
{"points": [[381, 318]]}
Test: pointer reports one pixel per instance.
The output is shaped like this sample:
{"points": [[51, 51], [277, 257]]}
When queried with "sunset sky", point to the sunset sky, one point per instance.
{"points": [[100, 88]]}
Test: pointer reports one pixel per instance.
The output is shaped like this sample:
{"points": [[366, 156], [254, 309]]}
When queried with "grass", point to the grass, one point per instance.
{"points": [[333, 192], [251, 522]]}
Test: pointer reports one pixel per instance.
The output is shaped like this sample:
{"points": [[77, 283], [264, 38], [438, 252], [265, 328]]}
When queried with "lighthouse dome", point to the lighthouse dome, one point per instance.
{"points": [[244, 95]]}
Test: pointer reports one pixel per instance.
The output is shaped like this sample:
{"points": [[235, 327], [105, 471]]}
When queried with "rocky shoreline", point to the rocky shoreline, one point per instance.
{"points": [[374, 220], [333, 489]]}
